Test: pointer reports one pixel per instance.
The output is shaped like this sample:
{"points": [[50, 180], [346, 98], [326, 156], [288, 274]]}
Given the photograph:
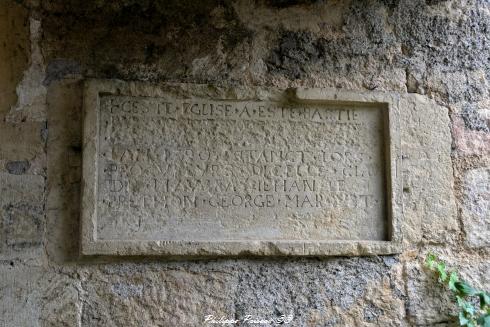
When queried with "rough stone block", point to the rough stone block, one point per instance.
{"points": [[470, 141], [23, 225], [36, 297], [428, 197], [476, 207], [428, 302], [148, 296], [21, 215], [21, 142], [17, 167], [332, 292]]}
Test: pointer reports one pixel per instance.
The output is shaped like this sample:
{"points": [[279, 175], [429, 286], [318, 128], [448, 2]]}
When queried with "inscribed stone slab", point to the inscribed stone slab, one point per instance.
{"points": [[177, 168]]}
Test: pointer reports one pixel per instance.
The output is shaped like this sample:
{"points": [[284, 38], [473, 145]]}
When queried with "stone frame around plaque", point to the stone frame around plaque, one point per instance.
{"points": [[90, 245]]}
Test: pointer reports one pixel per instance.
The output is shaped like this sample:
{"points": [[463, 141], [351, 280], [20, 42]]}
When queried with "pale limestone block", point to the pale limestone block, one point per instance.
{"points": [[35, 297], [476, 207]]}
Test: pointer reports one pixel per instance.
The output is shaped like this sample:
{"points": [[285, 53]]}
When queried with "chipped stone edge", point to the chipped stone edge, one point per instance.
{"points": [[91, 246]]}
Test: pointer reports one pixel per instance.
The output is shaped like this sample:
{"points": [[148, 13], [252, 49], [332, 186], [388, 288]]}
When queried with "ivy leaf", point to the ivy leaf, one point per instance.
{"points": [[484, 299], [463, 321], [453, 278], [467, 308], [431, 260], [470, 315], [464, 289], [441, 269], [484, 321]]}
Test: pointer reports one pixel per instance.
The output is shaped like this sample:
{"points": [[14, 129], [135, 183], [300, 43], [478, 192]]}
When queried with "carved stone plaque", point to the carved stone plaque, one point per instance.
{"points": [[188, 170]]}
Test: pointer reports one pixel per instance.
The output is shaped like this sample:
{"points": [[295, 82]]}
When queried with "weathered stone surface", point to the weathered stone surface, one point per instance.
{"points": [[14, 51], [322, 293], [312, 292], [438, 49], [22, 143], [166, 174], [428, 301], [470, 142], [60, 69], [175, 164], [21, 216], [476, 211], [474, 120], [31, 93], [19, 293], [64, 170], [150, 296], [424, 139], [427, 210], [37, 297], [17, 167], [420, 137], [428, 198]]}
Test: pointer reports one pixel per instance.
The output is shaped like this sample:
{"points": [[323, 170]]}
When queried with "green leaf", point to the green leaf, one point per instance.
{"points": [[453, 278], [484, 321], [484, 299], [464, 289], [430, 260], [470, 315], [463, 321], [441, 269], [469, 309]]}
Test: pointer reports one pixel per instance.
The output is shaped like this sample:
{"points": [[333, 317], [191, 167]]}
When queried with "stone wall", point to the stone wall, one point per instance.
{"points": [[438, 50]]}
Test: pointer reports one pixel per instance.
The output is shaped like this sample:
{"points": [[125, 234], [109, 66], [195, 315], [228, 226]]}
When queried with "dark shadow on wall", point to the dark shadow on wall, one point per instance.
{"points": [[145, 40], [64, 169]]}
